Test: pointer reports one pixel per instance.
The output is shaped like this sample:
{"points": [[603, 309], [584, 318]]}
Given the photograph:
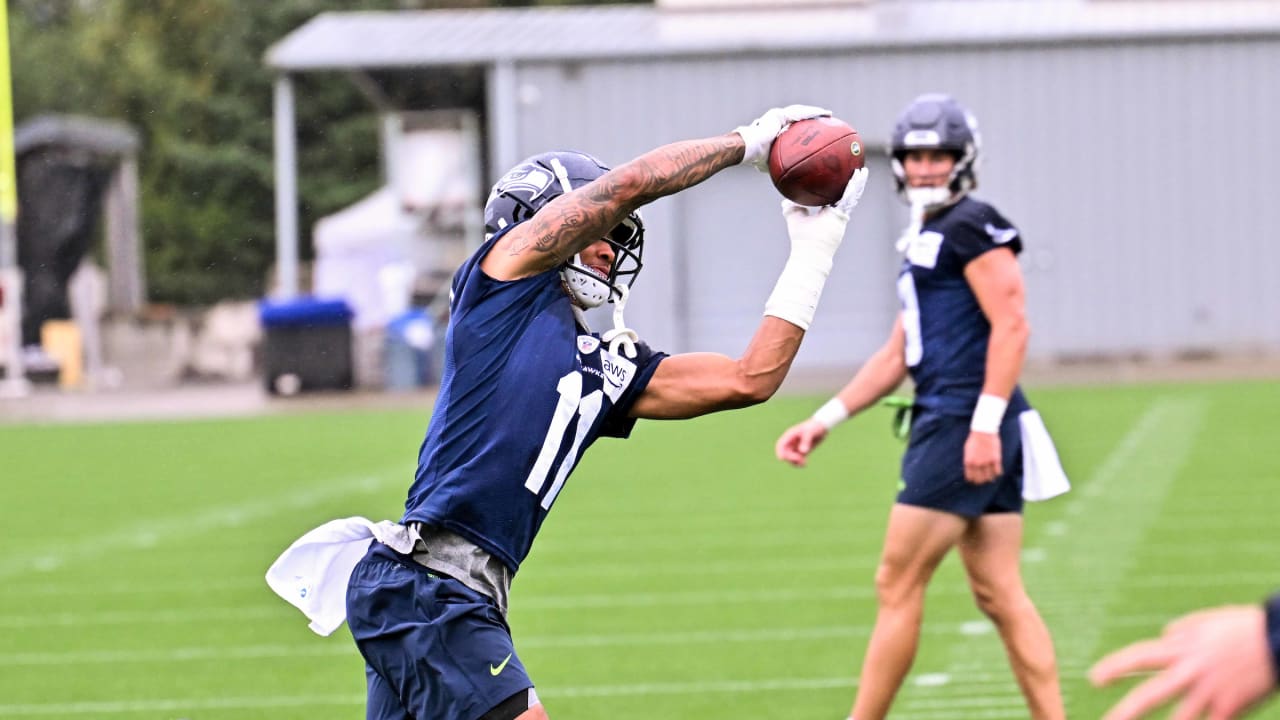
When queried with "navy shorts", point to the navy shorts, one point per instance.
{"points": [[933, 467], [433, 647]]}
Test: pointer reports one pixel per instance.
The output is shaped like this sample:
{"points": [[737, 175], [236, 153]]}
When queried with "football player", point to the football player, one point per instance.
{"points": [[528, 387], [961, 334]]}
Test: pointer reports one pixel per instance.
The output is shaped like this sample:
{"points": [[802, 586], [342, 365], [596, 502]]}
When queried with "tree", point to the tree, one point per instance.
{"points": [[189, 76]]}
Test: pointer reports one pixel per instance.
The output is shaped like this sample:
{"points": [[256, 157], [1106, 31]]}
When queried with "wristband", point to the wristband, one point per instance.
{"points": [[832, 413], [756, 146], [814, 241], [988, 414], [795, 296]]}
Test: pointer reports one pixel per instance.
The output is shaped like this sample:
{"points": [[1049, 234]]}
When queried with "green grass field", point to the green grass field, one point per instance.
{"points": [[682, 574]]}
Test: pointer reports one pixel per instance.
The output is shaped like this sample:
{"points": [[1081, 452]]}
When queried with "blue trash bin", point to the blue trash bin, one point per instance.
{"points": [[409, 342], [306, 345]]}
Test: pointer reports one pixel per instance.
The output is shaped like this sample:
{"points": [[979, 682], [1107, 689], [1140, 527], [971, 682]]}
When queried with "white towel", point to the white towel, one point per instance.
{"points": [[312, 574], [1042, 473]]}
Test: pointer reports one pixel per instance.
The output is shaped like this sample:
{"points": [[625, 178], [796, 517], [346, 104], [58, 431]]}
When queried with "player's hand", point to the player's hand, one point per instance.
{"points": [[1217, 661], [982, 462], [823, 226], [852, 193], [798, 441], [814, 228], [759, 135]]}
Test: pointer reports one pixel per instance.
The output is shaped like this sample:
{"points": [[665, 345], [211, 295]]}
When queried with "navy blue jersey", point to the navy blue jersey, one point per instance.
{"points": [[946, 332], [524, 392]]}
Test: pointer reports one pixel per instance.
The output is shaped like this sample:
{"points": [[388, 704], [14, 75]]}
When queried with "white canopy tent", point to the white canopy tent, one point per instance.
{"points": [[363, 257]]}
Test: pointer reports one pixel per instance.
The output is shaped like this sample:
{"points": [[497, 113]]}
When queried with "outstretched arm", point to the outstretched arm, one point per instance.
{"points": [[698, 383], [693, 384], [883, 372], [578, 218], [879, 375]]}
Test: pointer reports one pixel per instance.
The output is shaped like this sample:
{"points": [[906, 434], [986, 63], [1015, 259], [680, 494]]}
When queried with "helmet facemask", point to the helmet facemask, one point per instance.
{"points": [[587, 289]]}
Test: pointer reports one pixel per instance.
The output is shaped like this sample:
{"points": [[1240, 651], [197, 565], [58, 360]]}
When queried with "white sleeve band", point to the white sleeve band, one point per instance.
{"points": [[988, 414], [795, 295], [832, 413]]}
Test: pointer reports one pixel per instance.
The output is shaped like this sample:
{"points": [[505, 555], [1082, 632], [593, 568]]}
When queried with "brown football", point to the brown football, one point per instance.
{"points": [[812, 160]]}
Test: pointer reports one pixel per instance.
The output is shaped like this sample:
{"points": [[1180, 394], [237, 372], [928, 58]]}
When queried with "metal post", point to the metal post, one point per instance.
{"points": [[15, 379], [286, 167], [504, 118], [126, 284]]}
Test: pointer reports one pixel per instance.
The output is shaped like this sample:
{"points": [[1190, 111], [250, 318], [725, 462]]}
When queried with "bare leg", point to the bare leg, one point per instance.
{"points": [[991, 550], [916, 541]]}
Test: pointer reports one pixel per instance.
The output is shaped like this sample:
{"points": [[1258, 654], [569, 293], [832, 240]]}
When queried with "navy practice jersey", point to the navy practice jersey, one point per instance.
{"points": [[524, 392], [946, 332]]}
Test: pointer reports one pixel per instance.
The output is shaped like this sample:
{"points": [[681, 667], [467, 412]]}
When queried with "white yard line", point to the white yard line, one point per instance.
{"points": [[110, 707], [340, 647], [657, 569], [967, 708], [103, 541], [355, 701], [1088, 552], [1044, 597], [1124, 497]]}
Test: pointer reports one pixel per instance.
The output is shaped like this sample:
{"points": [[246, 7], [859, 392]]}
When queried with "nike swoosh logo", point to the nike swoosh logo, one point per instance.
{"points": [[496, 670]]}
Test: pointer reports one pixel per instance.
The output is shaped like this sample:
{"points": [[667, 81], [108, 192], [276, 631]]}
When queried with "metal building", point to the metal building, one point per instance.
{"points": [[1133, 143]]}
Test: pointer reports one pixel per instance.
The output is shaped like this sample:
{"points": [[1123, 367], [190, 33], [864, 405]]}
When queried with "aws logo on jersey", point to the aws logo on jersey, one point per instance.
{"points": [[617, 369], [614, 371]]}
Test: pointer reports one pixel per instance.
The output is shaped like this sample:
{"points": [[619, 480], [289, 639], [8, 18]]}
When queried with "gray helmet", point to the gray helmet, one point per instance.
{"points": [[529, 186], [937, 121]]}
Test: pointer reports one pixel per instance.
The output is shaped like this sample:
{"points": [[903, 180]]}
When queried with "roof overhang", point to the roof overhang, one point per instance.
{"points": [[411, 39]]}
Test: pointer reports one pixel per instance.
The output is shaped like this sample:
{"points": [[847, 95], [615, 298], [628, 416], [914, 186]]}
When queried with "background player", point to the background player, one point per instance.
{"points": [[962, 335]]}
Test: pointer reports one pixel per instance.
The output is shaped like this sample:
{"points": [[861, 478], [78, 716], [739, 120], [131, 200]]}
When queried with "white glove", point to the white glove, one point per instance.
{"points": [[823, 227], [760, 133], [852, 193], [815, 235]]}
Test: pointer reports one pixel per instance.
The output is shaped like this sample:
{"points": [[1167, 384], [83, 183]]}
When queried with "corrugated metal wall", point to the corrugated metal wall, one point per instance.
{"points": [[1140, 171]]}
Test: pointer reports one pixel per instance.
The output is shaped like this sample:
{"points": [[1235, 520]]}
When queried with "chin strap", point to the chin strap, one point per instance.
{"points": [[621, 336], [922, 201], [581, 316], [913, 227]]}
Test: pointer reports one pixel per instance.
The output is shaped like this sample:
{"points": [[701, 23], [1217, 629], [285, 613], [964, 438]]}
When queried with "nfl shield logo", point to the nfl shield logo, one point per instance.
{"points": [[587, 344]]}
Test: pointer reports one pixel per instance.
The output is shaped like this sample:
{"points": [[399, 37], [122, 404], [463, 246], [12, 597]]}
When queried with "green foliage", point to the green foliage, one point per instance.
{"points": [[189, 76]]}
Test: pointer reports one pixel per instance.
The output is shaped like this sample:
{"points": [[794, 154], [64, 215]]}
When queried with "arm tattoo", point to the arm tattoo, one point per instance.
{"points": [[573, 221]]}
